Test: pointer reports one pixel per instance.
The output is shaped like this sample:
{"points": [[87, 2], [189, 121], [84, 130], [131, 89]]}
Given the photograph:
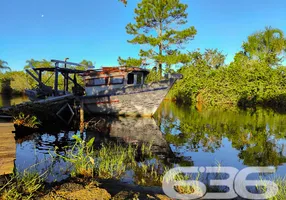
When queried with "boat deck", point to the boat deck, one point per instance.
{"points": [[7, 148]]}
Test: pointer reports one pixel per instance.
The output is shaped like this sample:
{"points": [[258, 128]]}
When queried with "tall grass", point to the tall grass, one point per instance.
{"points": [[22, 185], [80, 157], [281, 183], [112, 161], [149, 173]]}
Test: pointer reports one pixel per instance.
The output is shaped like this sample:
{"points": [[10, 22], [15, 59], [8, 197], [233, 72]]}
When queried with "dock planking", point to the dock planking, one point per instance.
{"points": [[7, 148]]}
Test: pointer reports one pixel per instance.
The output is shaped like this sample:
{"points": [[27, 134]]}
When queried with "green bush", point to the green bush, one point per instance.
{"points": [[244, 84]]}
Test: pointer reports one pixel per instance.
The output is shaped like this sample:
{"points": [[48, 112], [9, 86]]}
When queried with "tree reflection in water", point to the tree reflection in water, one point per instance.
{"points": [[258, 135]]}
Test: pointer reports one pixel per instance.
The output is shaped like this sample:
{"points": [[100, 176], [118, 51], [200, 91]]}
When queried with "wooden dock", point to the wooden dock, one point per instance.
{"points": [[7, 148]]}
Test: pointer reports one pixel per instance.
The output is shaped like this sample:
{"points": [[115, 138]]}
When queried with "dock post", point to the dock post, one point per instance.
{"points": [[81, 114]]}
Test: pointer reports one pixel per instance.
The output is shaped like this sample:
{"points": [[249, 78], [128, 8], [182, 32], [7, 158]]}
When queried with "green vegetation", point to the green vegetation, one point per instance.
{"points": [[80, 157], [255, 77], [281, 183], [110, 161], [26, 121], [114, 160], [23, 185], [14, 82], [4, 65], [154, 26], [267, 46]]}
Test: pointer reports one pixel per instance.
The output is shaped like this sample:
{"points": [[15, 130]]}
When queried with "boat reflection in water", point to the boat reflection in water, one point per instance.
{"points": [[128, 130]]}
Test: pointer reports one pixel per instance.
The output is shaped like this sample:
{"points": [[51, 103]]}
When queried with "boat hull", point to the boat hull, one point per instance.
{"points": [[143, 102]]}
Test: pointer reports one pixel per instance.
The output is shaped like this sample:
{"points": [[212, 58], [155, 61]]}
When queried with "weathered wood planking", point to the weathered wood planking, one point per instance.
{"points": [[7, 148]]}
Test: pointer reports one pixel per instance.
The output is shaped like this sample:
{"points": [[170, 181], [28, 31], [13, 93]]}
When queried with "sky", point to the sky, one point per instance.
{"points": [[95, 29]]}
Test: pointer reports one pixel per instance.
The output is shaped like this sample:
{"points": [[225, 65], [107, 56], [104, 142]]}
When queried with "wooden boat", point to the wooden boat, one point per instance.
{"points": [[109, 91], [122, 91]]}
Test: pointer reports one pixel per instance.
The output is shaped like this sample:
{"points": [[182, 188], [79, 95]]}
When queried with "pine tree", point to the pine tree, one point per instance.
{"points": [[157, 25]]}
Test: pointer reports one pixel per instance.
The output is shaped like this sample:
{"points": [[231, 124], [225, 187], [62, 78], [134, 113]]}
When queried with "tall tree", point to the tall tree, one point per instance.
{"points": [[214, 58], [156, 26], [268, 46], [4, 65]]}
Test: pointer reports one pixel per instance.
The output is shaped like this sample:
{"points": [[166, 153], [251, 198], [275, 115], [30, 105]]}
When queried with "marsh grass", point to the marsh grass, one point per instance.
{"points": [[80, 157], [146, 151], [149, 173], [112, 160], [22, 185], [281, 183], [193, 188]]}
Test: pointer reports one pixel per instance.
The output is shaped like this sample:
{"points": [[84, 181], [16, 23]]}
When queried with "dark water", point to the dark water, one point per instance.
{"points": [[195, 138]]}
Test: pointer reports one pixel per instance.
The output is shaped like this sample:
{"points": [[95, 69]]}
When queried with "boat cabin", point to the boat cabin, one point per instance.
{"points": [[111, 78]]}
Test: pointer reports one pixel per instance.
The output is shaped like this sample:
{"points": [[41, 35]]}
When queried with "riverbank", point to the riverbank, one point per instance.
{"points": [[105, 190]]}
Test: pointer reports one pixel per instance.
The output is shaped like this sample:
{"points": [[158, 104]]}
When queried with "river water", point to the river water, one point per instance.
{"points": [[212, 137]]}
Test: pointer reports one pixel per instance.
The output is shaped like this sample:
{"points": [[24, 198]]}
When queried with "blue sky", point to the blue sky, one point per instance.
{"points": [[95, 29]]}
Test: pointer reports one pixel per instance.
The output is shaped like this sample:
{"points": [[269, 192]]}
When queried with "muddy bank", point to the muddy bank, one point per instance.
{"points": [[77, 191], [103, 190]]}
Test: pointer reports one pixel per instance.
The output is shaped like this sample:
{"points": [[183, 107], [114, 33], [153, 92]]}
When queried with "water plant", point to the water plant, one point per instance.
{"points": [[149, 173], [26, 120], [22, 185], [280, 182], [80, 157], [113, 160]]}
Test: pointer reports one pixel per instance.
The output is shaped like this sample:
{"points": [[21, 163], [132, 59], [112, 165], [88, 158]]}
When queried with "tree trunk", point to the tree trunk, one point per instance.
{"points": [[160, 52], [160, 70]]}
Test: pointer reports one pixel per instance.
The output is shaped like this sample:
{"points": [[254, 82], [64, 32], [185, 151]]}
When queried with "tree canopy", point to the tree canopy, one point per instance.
{"points": [[214, 58], [4, 65], [157, 27], [268, 46]]}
